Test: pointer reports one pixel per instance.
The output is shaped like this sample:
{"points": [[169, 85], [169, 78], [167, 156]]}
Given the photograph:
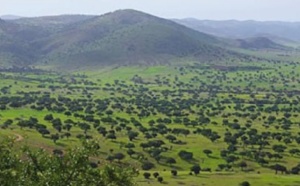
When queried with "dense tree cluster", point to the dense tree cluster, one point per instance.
{"points": [[75, 167]]}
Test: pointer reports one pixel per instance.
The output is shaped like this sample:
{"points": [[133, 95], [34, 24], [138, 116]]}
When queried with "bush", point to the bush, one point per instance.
{"points": [[196, 169], [185, 155], [160, 179], [147, 165], [156, 174], [174, 172], [245, 183], [295, 170], [54, 170], [147, 175]]}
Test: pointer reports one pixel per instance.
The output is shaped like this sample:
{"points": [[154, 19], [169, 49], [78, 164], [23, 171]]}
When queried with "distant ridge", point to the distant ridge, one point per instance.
{"points": [[259, 43], [53, 20], [10, 17], [245, 29]]}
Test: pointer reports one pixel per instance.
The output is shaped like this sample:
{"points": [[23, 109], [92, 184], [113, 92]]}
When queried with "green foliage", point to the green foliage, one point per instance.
{"points": [[185, 155], [147, 175], [238, 112], [245, 183], [147, 165], [37, 167], [207, 152], [196, 169], [174, 172], [155, 174], [160, 179]]}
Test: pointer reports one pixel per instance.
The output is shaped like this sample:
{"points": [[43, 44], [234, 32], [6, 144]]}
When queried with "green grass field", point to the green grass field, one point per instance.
{"points": [[255, 105]]}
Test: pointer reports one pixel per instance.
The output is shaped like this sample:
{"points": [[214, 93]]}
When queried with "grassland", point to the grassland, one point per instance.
{"points": [[228, 99]]}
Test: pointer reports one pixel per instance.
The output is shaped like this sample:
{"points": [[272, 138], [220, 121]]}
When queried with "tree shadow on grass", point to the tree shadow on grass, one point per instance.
{"points": [[60, 144], [213, 157], [103, 153], [172, 166], [192, 161]]}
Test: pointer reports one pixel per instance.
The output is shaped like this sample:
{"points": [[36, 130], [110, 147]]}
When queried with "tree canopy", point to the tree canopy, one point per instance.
{"points": [[73, 167]]}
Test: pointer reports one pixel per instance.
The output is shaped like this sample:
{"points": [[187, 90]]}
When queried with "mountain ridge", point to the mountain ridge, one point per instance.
{"points": [[244, 29], [10, 17], [122, 37], [259, 43]]}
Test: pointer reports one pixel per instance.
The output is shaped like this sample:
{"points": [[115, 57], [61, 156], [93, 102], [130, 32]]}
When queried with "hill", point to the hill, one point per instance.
{"points": [[245, 29], [122, 37], [259, 43], [126, 36], [14, 50]]}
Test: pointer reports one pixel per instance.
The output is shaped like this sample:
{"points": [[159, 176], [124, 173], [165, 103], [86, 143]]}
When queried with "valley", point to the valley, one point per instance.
{"points": [[229, 119], [178, 106]]}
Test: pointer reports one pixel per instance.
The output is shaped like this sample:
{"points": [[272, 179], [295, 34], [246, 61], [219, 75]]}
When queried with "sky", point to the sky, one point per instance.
{"points": [[261, 10]]}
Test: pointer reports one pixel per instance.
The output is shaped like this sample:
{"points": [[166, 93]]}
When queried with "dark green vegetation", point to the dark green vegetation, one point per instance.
{"points": [[226, 119], [29, 167], [175, 104]]}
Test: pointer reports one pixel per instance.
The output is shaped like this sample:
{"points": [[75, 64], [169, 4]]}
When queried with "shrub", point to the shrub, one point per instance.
{"points": [[196, 169], [147, 175], [245, 183], [147, 165], [156, 174], [185, 155], [160, 179], [174, 172]]}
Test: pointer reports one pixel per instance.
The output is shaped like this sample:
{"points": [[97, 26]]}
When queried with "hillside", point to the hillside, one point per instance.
{"points": [[127, 98], [14, 50], [259, 43], [128, 37], [245, 29], [122, 37]]}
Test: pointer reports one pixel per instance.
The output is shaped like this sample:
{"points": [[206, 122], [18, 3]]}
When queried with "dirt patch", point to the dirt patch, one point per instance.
{"points": [[18, 137]]}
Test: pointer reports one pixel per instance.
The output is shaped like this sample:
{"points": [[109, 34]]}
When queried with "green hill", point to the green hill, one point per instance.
{"points": [[128, 37], [258, 43], [122, 37], [13, 49]]}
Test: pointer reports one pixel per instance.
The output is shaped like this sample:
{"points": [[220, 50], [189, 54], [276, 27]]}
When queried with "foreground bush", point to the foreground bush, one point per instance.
{"points": [[38, 167]]}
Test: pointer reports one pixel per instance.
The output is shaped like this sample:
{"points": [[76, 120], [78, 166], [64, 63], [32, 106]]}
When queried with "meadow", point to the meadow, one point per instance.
{"points": [[237, 121]]}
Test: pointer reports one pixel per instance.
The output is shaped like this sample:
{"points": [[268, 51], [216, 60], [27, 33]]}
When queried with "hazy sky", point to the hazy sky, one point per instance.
{"points": [[284, 10]]}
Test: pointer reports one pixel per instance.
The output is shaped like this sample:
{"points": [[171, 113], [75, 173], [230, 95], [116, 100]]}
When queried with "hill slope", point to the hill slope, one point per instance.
{"points": [[14, 50], [259, 43], [122, 37], [126, 36], [245, 29]]}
